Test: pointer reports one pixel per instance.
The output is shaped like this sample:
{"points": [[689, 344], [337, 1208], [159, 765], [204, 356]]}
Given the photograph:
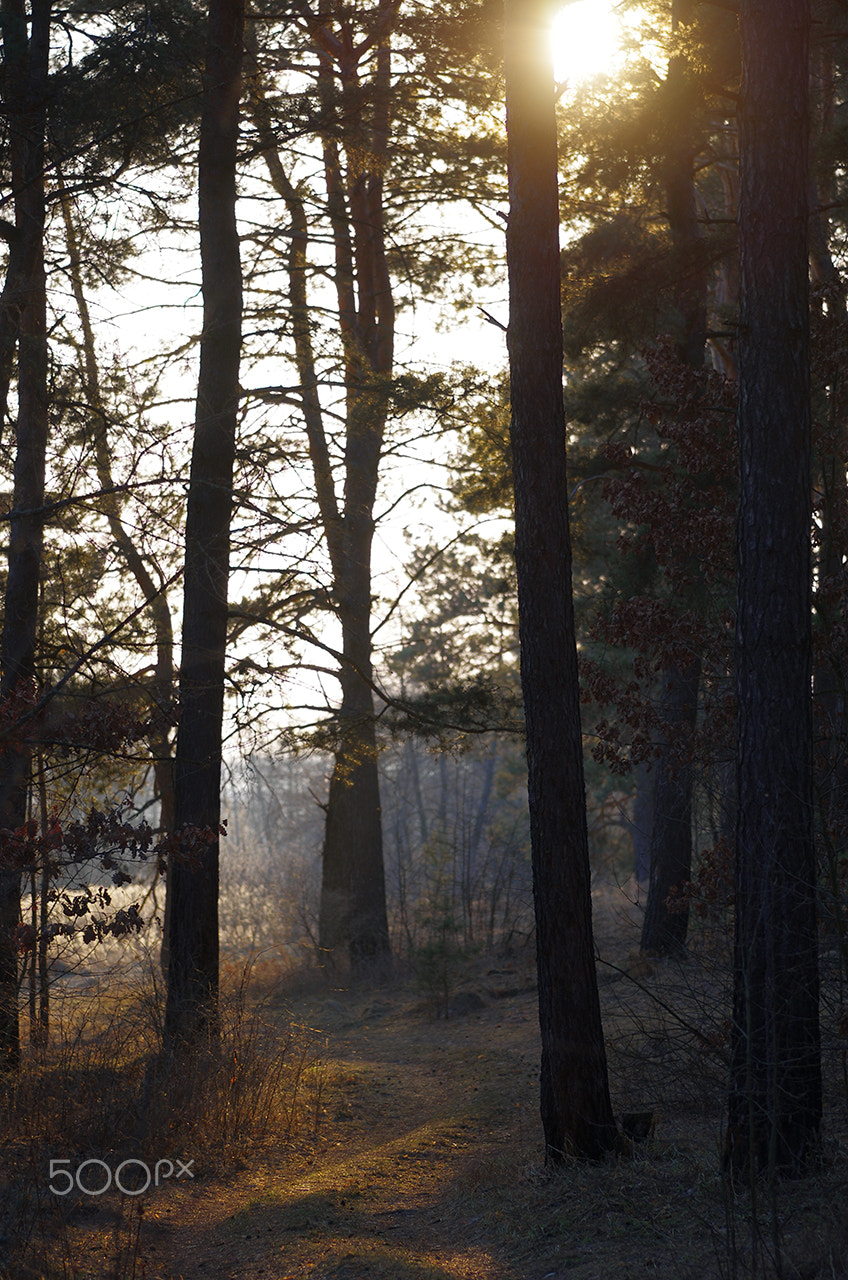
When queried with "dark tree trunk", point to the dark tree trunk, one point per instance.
{"points": [[830, 675], [728, 803], [691, 283], [23, 317], [665, 924], [664, 930], [191, 1010], [575, 1103], [775, 1084], [353, 895], [643, 821], [353, 891]]}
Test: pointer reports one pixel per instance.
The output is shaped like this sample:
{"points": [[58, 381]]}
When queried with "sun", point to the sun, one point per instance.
{"points": [[586, 36]]}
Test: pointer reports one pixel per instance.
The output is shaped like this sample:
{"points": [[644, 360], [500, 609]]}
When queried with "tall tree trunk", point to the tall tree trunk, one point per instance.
{"points": [[722, 347], [643, 820], [830, 673], [162, 691], [23, 311], [665, 924], [575, 1103], [664, 930], [775, 1082], [191, 1009], [353, 894]]}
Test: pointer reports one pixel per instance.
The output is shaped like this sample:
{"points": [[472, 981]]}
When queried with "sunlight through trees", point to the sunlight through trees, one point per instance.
{"points": [[425, 495]]}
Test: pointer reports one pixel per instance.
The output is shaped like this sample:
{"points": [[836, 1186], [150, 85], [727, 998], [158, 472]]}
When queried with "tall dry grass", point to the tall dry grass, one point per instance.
{"points": [[103, 1091]]}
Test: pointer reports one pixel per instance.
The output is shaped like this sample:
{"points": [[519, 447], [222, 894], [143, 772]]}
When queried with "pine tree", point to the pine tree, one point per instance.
{"points": [[775, 1083], [576, 1112], [191, 1009], [23, 324], [385, 150], [664, 931]]}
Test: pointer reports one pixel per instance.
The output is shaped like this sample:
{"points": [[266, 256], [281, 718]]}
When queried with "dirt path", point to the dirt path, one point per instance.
{"points": [[416, 1119], [419, 1157], [418, 1154]]}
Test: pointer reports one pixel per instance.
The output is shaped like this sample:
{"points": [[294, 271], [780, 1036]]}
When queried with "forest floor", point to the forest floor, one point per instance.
{"points": [[418, 1153]]}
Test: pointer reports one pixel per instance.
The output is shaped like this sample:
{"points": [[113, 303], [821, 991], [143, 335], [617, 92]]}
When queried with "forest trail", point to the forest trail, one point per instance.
{"points": [[418, 1149], [427, 1144], [416, 1119]]}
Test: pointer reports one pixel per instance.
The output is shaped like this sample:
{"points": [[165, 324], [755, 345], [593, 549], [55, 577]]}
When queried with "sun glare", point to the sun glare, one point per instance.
{"points": [[586, 38]]}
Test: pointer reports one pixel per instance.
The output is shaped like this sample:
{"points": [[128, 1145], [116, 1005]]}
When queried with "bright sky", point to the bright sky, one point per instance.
{"points": [[586, 38], [586, 35]]}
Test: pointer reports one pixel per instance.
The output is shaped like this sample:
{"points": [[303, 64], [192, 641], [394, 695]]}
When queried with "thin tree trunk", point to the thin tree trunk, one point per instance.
{"points": [[162, 691], [191, 1010], [42, 1024], [664, 929], [643, 821], [411, 754], [23, 308], [775, 1083], [722, 348], [665, 924], [575, 1103], [353, 895]]}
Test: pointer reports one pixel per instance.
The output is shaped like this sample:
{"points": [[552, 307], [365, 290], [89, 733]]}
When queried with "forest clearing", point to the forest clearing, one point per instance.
{"points": [[407, 1146]]}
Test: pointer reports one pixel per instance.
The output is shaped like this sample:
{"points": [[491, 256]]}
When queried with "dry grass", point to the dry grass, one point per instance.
{"points": [[386, 1142], [101, 1093]]}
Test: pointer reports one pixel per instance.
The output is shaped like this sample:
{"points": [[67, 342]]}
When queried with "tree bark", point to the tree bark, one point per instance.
{"points": [[775, 1083], [23, 317], [666, 922], [191, 1010], [643, 820], [353, 896], [830, 678], [664, 930], [575, 1104]]}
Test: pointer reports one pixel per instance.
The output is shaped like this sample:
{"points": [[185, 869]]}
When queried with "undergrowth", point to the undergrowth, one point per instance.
{"points": [[102, 1093], [100, 1112]]}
